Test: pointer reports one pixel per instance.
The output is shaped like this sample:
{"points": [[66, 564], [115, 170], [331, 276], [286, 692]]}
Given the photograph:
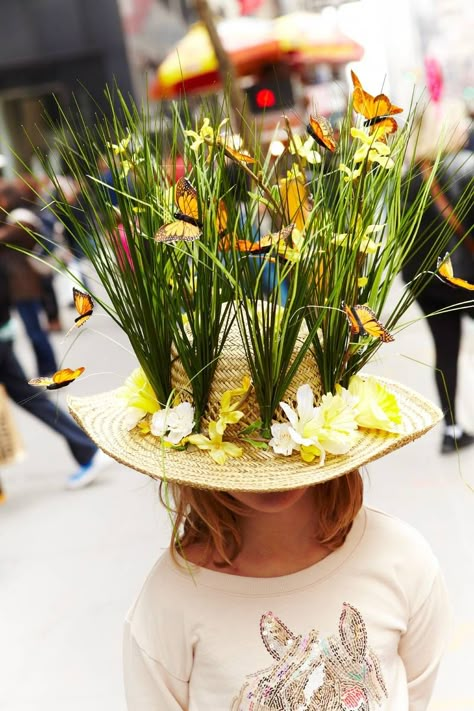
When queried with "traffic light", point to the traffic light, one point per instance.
{"points": [[272, 92]]}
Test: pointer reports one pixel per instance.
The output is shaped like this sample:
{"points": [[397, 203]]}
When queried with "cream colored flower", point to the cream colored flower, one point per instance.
{"points": [[173, 424], [214, 444], [133, 415], [282, 441]]}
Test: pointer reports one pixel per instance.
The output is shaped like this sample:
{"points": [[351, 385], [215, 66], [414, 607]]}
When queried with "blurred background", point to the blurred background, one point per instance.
{"points": [[72, 562], [290, 55]]}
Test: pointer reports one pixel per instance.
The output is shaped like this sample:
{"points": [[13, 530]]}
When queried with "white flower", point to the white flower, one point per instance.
{"points": [[282, 442], [159, 424], [305, 412], [173, 424], [133, 415], [180, 422]]}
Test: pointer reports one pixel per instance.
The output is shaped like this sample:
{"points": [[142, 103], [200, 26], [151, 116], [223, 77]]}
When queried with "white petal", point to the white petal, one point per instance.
{"points": [[159, 424], [305, 400], [290, 413]]}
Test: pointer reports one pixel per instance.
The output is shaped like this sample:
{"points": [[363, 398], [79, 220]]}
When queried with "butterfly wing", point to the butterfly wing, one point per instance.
{"points": [[222, 217], [187, 199], [370, 325], [84, 306], [445, 270], [178, 230], [364, 322], [373, 108], [238, 155], [41, 382], [64, 377], [321, 130]]}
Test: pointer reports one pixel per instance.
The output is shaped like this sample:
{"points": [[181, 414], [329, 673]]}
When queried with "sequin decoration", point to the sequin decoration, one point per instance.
{"points": [[314, 673]]}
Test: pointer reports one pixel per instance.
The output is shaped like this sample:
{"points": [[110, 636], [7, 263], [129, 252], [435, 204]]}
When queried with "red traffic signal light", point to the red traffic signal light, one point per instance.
{"points": [[265, 98]]}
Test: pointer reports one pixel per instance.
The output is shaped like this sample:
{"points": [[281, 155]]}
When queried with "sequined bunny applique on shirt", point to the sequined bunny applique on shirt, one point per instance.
{"points": [[314, 673]]}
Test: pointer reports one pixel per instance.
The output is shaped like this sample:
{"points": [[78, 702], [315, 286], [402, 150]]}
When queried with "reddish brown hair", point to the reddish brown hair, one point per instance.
{"points": [[212, 518]]}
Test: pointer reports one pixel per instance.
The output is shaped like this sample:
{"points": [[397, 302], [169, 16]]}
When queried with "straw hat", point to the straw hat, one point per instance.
{"points": [[104, 418]]}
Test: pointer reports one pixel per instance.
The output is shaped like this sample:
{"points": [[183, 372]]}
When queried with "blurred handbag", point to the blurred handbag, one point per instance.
{"points": [[11, 446]]}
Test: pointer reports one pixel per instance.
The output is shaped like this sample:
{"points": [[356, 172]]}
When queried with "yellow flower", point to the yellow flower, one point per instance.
{"points": [[229, 414], [364, 243], [121, 146], [374, 406], [372, 150], [332, 430], [138, 393], [295, 198], [206, 134], [350, 174], [304, 149], [362, 281], [214, 444]]}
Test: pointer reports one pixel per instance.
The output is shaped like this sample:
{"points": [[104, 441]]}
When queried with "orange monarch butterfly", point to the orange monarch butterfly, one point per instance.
{"points": [[321, 130], [377, 110], [84, 306], [235, 154], [187, 226], [445, 271], [364, 322], [262, 245], [59, 379]]}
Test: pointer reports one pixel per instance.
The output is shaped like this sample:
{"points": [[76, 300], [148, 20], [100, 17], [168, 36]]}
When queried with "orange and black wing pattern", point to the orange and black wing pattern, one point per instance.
{"points": [[364, 322], [274, 240], [446, 272], [236, 155], [187, 225], [84, 306], [377, 110], [59, 379], [321, 130]]}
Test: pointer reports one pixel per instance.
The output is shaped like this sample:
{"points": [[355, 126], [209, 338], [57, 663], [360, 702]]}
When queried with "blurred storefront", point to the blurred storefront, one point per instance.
{"points": [[53, 47]]}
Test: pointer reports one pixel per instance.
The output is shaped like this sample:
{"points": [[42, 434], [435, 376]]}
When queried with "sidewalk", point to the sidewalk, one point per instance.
{"points": [[71, 563]]}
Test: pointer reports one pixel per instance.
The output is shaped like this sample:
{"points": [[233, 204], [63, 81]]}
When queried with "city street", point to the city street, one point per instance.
{"points": [[71, 562]]}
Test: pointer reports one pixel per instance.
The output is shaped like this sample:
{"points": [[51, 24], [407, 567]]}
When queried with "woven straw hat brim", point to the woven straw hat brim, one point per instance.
{"points": [[103, 418]]}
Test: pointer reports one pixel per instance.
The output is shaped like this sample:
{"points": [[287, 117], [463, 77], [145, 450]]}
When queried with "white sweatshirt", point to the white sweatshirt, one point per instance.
{"points": [[361, 630]]}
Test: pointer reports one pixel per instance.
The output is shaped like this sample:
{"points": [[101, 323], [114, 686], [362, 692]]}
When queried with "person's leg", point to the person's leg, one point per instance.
{"points": [[29, 312], [446, 331], [50, 304], [39, 405]]}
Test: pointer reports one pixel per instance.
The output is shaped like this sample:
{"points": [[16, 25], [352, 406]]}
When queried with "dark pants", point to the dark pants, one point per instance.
{"points": [[49, 300], [39, 405], [30, 314], [446, 331]]}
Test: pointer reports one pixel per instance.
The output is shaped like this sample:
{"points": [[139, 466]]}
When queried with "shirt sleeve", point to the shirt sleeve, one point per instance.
{"points": [[423, 644], [148, 685]]}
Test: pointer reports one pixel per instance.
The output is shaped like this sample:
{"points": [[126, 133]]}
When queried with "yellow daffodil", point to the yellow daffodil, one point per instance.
{"points": [[372, 150], [214, 444], [295, 198], [206, 134], [362, 281], [138, 393], [305, 149], [374, 406], [333, 429], [350, 174]]}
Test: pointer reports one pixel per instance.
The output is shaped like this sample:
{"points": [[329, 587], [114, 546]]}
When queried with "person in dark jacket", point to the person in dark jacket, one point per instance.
{"points": [[454, 177], [89, 458]]}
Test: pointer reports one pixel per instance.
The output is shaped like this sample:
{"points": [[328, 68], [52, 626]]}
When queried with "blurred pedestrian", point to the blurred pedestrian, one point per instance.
{"points": [[455, 173], [23, 276], [90, 460]]}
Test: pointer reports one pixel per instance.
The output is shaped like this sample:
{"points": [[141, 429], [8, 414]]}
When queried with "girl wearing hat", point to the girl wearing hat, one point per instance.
{"points": [[280, 590]]}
